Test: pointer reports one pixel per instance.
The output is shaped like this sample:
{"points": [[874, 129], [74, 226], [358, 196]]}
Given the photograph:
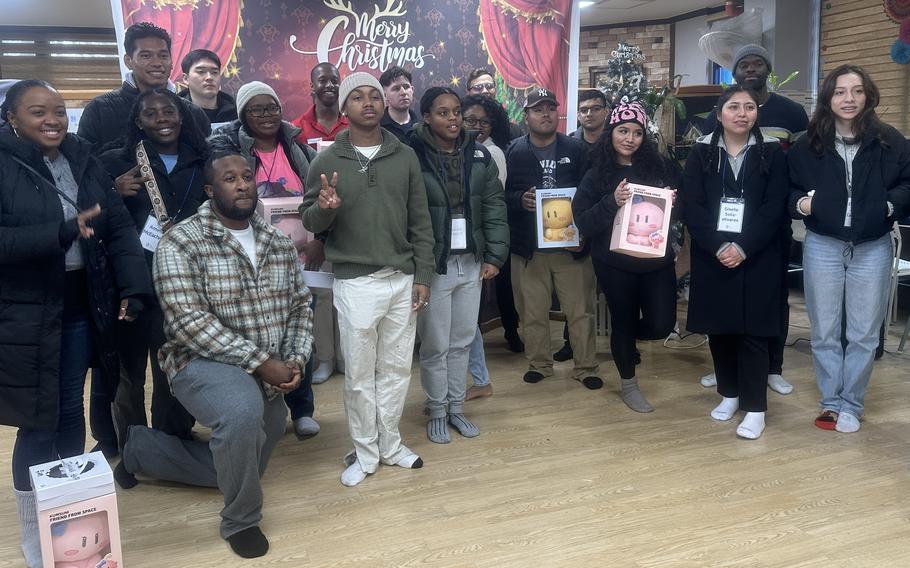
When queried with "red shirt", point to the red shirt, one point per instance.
{"points": [[312, 131]]}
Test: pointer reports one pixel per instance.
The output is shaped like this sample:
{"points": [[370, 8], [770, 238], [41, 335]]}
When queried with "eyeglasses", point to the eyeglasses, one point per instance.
{"points": [[590, 109], [260, 111], [481, 87], [474, 121]]}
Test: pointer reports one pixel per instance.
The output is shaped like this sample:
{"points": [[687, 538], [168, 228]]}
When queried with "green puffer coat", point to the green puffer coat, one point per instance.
{"points": [[484, 203]]}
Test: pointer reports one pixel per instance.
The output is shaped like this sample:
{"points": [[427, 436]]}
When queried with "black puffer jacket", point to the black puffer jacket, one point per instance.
{"points": [[881, 173], [105, 119], [32, 248]]}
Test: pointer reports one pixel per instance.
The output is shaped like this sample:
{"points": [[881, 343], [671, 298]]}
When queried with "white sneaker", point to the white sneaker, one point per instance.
{"points": [[323, 372], [709, 380]]}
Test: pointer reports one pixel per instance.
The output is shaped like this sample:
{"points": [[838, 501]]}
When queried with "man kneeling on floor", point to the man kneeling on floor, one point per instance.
{"points": [[239, 330]]}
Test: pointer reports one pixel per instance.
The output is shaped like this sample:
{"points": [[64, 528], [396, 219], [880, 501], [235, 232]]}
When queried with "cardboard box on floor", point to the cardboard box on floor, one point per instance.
{"points": [[78, 520]]}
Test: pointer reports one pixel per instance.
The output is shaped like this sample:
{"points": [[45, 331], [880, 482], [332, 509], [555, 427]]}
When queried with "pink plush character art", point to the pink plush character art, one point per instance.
{"points": [[82, 542], [645, 224]]}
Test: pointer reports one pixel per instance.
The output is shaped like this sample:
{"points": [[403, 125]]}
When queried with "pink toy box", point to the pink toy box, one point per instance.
{"points": [[77, 513], [642, 225]]}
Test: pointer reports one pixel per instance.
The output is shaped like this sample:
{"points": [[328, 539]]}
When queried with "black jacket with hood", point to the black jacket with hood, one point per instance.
{"points": [[33, 241]]}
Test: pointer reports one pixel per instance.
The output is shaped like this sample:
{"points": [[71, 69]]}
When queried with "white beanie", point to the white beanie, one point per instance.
{"points": [[355, 80], [250, 90]]}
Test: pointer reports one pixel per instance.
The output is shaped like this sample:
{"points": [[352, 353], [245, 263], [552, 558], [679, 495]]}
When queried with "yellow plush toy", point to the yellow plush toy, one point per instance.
{"points": [[557, 219]]}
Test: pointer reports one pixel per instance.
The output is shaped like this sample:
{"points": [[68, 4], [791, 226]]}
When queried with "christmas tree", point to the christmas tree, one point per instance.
{"points": [[625, 79]]}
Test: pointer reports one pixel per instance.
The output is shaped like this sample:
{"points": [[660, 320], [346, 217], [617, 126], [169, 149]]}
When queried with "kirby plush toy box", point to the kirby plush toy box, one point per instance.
{"points": [[642, 225], [77, 513]]}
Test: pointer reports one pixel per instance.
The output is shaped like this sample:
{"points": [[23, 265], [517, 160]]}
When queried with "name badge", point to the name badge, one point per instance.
{"points": [[151, 234], [848, 216], [730, 219], [459, 233]]}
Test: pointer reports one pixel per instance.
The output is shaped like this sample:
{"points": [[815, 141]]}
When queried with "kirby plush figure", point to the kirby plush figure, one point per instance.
{"points": [[645, 224], [80, 542]]}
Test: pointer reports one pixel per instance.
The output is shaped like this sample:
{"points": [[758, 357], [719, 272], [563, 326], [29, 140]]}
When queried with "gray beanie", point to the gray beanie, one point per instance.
{"points": [[355, 80], [250, 90], [752, 49]]}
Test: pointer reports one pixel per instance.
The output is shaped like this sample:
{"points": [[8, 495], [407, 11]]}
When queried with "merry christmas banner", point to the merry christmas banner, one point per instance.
{"points": [[528, 42]]}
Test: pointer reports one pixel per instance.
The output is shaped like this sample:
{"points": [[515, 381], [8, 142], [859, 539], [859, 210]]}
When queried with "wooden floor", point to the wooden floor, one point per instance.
{"points": [[563, 476]]}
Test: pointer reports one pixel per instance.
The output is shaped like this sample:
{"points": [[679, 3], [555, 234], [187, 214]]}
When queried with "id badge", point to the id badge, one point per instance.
{"points": [[730, 219], [151, 234], [848, 216], [459, 233]]}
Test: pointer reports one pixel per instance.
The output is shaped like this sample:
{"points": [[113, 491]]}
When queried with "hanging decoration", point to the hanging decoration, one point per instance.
{"points": [[899, 12]]}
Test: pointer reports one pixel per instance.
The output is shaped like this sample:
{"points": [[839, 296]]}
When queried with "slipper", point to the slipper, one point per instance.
{"points": [[827, 420]]}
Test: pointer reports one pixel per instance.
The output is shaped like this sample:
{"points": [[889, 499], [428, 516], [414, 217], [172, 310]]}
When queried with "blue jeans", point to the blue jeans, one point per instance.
{"points": [[35, 447], [477, 361], [845, 281]]}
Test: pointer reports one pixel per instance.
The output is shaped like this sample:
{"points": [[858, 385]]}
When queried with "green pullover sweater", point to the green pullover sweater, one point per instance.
{"points": [[383, 219]]}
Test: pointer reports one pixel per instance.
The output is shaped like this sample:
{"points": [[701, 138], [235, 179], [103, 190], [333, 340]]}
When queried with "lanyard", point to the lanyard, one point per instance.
{"points": [[848, 166], [741, 181], [189, 188]]}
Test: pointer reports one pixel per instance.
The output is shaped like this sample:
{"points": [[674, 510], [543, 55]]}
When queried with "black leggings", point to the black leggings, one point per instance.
{"points": [[642, 306]]}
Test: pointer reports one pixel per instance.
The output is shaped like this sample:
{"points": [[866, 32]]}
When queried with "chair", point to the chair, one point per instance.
{"points": [[899, 269]]}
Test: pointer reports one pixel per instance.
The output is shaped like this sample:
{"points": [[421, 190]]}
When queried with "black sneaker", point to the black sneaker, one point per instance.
{"points": [[564, 354], [533, 377], [592, 383]]}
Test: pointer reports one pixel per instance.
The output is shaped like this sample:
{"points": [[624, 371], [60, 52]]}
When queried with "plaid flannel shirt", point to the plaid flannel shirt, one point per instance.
{"points": [[218, 306]]}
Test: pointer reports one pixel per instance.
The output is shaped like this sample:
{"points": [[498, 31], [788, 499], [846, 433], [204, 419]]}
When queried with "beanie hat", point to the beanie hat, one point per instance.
{"points": [[250, 90], [752, 49], [355, 80], [629, 112]]}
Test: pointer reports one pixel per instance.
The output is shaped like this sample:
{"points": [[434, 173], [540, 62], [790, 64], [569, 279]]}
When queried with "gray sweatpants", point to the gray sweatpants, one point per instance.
{"points": [[446, 328], [245, 429]]}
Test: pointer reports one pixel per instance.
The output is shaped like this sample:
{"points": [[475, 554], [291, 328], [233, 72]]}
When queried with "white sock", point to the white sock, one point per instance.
{"points": [[352, 475], [726, 409], [709, 380], [408, 461], [779, 385], [752, 426]]}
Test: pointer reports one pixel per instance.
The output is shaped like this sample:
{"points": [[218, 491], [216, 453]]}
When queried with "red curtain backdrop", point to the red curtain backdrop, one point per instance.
{"points": [[193, 24], [528, 42]]}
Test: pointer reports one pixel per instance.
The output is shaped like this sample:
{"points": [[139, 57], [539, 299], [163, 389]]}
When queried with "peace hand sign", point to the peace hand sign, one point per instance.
{"points": [[328, 199]]}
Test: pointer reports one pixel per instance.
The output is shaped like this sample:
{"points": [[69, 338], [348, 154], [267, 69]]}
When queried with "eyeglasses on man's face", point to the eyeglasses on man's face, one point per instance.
{"points": [[260, 111], [482, 87]]}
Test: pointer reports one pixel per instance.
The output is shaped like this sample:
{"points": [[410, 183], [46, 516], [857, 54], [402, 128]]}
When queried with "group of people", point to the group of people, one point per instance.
{"points": [[136, 240]]}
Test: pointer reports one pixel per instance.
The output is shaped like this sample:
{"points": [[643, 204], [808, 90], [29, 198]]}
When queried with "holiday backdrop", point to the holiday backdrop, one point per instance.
{"points": [[439, 41]]}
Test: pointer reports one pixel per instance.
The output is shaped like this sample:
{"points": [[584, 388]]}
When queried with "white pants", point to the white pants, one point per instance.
{"points": [[377, 331]]}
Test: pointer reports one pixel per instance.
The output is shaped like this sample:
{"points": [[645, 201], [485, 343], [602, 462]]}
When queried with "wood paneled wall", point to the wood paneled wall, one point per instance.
{"points": [[859, 32]]}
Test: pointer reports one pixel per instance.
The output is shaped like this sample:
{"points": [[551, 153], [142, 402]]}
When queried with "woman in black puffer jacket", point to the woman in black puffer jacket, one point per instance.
{"points": [[850, 181], [65, 239]]}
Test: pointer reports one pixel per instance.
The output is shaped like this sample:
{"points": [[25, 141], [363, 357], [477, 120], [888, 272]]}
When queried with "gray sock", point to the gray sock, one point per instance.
{"points": [[28, 525], [437, 431], [633, 398], [464, 426]]}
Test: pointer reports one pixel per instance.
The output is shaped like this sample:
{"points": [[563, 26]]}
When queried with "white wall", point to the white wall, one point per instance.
{"points": [[75, 13], [688, 60]]}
